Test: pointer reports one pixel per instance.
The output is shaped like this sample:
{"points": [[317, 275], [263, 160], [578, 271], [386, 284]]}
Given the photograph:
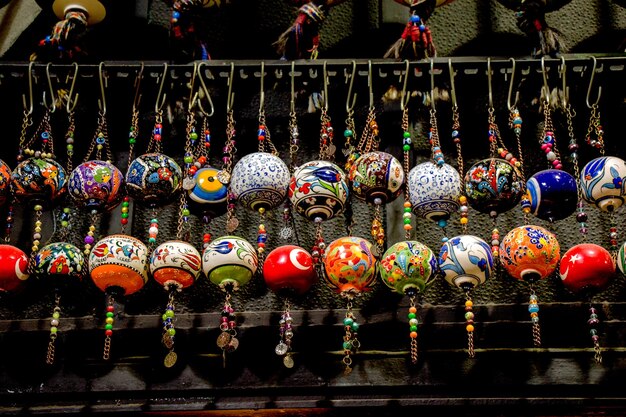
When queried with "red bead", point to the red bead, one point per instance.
{"points": [[124, 221], [108, 333], [110, 309], [157, 137]]}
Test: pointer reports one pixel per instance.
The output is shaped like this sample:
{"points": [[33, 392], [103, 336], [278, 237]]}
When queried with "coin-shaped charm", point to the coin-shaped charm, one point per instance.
{"points": [[223, 177], [281, 348], [232, 224], [232, 345], [167, 340], [170, 359], [331, 149], [223, 340], [288, 361], [189, 183], [286, 233]]}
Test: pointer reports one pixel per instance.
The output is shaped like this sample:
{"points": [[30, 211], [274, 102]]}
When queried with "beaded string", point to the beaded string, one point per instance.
{"points": [[108, 327], [469, 323], [350, 341], [54, 327], [154, 145], [533, 309], [43, 134], [228, 156], [595, 128], [413, 328], [287, 230], [548, 143], [283, 348], [593, 323], [168, 327], [349, 134], [437, 156], [581, 216], [327, 135], [406, 153], [515, 123], [133, 134], [456, 138], [227, 340]]}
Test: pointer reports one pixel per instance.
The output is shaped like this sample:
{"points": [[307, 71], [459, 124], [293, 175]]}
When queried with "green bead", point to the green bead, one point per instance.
{"points": [[108, 327], [193, 136], [64, 223], [154, 221], [406, 221], [407, 209], [169, 313], [413, 328], [406, 134], [152, 240], [406, 148], [412, 315], [347, 345], [110, 314], [125, 204], [186, 212], [70, 147], [132, 141], [66, 210], [124, 215], [355, 327], [348, 321], [56, 315], [348, 133], [188, 159], [164, 317], [53, 330], [171, 331]]}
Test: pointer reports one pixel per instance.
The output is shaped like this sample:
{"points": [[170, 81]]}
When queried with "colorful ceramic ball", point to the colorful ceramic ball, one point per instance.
{"points": [[621, 259], [586, 268], [40, 181], [434, 190], [466, 261], [376, 177], [260, 181], [119, 261], [153, 178], [350, 265], [5, 181], [175, 263], [493, 186], [318, 189], [602, 182], [408, 267], [209, 193], [289, 267], [60, 259], [229, 261], [96, 185], [553, 194], [530, 253], [13, 268]]}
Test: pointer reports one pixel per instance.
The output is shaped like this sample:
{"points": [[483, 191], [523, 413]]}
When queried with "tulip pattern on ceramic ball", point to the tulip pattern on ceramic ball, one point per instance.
{"points": [[376, 177], [602, 182]]}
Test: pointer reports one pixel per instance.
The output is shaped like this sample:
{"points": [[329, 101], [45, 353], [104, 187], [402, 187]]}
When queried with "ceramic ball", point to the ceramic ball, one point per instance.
{"points": [[530, 253], [153, 178], [209, 193], [586, 268], [96, 185], [289, 267], [553, 194], [408, 267], [350, 265], [602, 182], [175, 263], [260, 180], [376, 176], [60, 259], [13, 268], [229, 261], [466, 261], [39, 181], [434, 190], [5, 181], [493, 185]]}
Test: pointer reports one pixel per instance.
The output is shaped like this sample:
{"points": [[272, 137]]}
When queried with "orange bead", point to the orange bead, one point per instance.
{"points": [[463, 200], [407, 227], [413, 335], [469, 303], [407, 204], [469, 328], [412, 310], [464, 220]]}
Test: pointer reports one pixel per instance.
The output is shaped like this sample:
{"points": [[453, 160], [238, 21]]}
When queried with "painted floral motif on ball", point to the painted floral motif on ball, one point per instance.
{"points": [[153, 178], [530, 253], [553, 194], [38, 181], [175, 263], [408, 267], [13, 268], [318, 189], [602, 182], [350, 265], [493, 184], [260, 180], [229, 261], [119, 261], [96, 185], [434, 190], [376, 175], [621, 259], [60, 258], [5, 180], [466, 261]]}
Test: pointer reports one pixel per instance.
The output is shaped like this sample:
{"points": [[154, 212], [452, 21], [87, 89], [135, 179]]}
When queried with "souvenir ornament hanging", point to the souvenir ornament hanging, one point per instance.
{"points": [[552, 194], [13, 268], [188, 27], [602, 183], [5, 181], [408, 268], [96, 185], [416, 41], [530, 254], [288, 269], [350, 269], [586, 269], [531, 19], [493, 186], [229, 262], [466, 262], [118, 266]]}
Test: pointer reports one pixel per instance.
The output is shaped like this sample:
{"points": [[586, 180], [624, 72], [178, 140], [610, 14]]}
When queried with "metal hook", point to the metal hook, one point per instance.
{"points": [[292, 103], [452, 88], [404, 97], [262, 95], [206, 93], [230, 99], [593, 74], [71, 103], [565, 99], [370, 83], [489, 82], [545, 90], [192, 97], [508, 97], [350, 104], [28, 108], [102, 102], [325, 75], [161, 96], [432, 84], [137, 85], [53, 105]]}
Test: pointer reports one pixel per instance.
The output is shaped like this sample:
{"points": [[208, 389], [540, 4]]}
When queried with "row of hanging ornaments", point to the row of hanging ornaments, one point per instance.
{"points": [[318, 190]]}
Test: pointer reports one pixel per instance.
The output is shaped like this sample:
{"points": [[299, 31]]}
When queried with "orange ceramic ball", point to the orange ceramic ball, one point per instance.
{"points": [[289, 267], [350, 265], [530, 253], [176, 263]]}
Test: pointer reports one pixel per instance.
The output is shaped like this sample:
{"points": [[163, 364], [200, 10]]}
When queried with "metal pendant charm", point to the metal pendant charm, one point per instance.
{"points": [[223, 340], [232, 345], [170, 359], [189, 183], [232, 224], [167, 341], [281, 348], [286, 233], [223, 177], [288, 361]]}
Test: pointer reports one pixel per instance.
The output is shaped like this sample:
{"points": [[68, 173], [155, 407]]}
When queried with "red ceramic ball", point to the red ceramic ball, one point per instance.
{"points": [[289, 267], [586, 268], [13, 268]]}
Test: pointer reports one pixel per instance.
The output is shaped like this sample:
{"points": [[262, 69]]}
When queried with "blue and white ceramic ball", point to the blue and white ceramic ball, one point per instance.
{"points": [[434, 190], [466, 261], [602, 182], [153, 178], [260, 180], [319, 189], [552, 194]]}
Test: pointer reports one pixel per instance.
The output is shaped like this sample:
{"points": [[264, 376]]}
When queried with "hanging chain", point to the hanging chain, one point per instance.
{"points": [[327, 135], [27, 122], [350, 341], [406, 161], [133, 134], [229, 154], [283, 348], [533, 309], [593, 331], [43, 133], [515, 123], [69, 141], [581, 216], [413, 329], [295, 140], [54, 327], [265, 136], [456, 138], [169, 331], [227, 340], [100, 141], [350, 151], [493, 133], [155, 143], [548, 142], [469, 324], [595, 128], [108, 327]]}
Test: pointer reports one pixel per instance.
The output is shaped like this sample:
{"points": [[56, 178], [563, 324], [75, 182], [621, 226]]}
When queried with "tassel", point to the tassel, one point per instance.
{"points": [[64, 36], [301, 40], [531, 19], [416, 41]]}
